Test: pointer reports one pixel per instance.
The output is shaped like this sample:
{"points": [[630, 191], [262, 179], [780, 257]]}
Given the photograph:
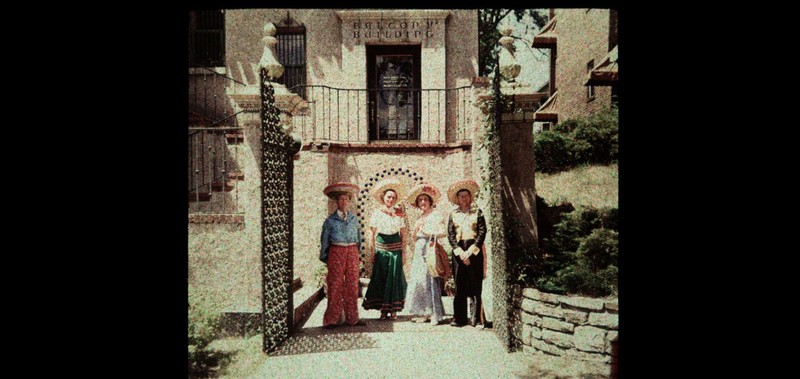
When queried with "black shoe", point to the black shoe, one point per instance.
{"points": [[457, 325], [331, 326]]}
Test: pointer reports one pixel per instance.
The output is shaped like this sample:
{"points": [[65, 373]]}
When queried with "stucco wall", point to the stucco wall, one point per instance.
{"points": [[224, 260], [243, 46]]}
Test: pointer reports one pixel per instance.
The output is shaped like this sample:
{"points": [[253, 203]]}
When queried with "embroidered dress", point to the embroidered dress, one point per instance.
{"points": [[424, 291], [387, 286]]}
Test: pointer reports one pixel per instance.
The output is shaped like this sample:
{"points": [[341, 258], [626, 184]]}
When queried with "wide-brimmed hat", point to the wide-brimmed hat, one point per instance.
{"points": [[334, 190], [468, 185], [423, 188], [388, 184]]}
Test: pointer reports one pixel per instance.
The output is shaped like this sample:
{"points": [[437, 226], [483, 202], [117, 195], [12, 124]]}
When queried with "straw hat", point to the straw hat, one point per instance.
{"points": [[334, 190], [468, 185], [388, 184], [423, 188]]}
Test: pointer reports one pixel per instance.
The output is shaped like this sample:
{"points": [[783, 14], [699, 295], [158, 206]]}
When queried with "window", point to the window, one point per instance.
{"points": [[291, 53], [207, 38], [545, 126], [590, 88], [393, 80]]}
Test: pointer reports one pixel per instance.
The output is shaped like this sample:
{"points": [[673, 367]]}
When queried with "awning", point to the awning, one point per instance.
{"points": [[607, 72], [547, 37], [548, 111]]}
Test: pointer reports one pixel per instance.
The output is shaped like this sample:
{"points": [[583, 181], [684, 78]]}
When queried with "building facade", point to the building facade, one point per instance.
{"points": [[370, 93], [583, 63]]}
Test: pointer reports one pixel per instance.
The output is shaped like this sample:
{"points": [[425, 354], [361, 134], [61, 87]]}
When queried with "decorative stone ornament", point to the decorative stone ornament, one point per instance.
{"points": [[509, 68], [268, 60]]}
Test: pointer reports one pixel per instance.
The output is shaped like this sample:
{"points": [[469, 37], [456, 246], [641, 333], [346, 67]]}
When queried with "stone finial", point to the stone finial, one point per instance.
{"points": [[268, 60], [509, 68], [287, 122]]}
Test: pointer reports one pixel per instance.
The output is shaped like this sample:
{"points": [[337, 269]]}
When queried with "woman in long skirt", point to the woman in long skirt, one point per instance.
{"points": [[424, 290], [387, 286]]}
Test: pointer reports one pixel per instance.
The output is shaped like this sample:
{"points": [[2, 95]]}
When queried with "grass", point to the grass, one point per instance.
{"points": [[591, 185]]}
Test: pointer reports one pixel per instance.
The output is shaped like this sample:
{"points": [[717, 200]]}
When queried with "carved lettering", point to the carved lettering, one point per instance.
{"points": [[394, 29]]}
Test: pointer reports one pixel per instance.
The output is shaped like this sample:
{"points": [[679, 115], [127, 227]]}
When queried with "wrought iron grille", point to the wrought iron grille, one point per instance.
{"points": [[276, 231], [356, 116]]}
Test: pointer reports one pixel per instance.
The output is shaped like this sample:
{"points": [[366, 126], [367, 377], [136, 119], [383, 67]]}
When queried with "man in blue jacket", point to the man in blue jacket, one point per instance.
{"points": [[340, 245]]}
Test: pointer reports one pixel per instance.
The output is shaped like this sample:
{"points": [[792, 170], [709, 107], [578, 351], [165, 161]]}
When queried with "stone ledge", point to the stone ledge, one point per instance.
{"points": [[531, 319], [368, 15], [557, 325], [606, 320], [559, 339], [210, 71], [389, 147], [576, 317], [548, 310], [590, 339], [533, 293], [547, 348], [583, 302], [200, 218]]}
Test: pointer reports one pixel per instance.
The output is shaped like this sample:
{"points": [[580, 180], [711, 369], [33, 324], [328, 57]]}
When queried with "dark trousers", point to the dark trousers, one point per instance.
{"points": [[469, 282]]}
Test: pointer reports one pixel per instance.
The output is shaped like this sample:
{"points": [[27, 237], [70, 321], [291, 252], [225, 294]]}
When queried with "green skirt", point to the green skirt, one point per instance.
{"points": [[387, 286]]}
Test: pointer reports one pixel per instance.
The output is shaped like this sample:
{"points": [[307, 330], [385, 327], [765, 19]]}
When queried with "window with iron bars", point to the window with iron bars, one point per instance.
{"points": [[291, 52], [207, 38]]}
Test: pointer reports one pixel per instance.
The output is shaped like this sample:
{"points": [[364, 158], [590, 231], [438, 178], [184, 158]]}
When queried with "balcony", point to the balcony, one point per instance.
{"points": [[370, 117]]}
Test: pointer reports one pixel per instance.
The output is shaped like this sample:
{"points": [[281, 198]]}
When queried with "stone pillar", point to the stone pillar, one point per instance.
{"points": [[519, 190]]}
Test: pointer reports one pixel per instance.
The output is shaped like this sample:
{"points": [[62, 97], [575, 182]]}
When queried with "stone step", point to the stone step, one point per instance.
{"points": [[199, 196], [236, 175], [235, 138], [220, 186]]}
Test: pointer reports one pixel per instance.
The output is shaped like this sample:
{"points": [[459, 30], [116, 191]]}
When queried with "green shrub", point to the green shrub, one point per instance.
{"points": [[552, 152], [594, 271], [205, 324], [596, 138], [582, 140], [581, 258], [599, 250]]}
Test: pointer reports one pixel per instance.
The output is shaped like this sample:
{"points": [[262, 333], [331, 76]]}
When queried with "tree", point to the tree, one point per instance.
{"points": [[488, 35]]}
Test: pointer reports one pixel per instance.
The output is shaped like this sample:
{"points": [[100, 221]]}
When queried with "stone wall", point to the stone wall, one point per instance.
{"points": [[574, 327]]}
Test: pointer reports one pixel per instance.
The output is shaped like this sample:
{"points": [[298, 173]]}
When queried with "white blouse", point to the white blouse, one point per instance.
{"points": [[433, 223], [386, 224]]}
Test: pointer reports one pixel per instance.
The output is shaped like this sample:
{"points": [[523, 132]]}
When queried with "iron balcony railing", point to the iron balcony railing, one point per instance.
{"points": [[215, 174], [359, 116], [214, 139], [208, 103]]}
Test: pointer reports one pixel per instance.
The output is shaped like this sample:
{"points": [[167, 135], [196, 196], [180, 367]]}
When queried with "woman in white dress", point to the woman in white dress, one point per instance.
{"points": [[425, 291]]}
